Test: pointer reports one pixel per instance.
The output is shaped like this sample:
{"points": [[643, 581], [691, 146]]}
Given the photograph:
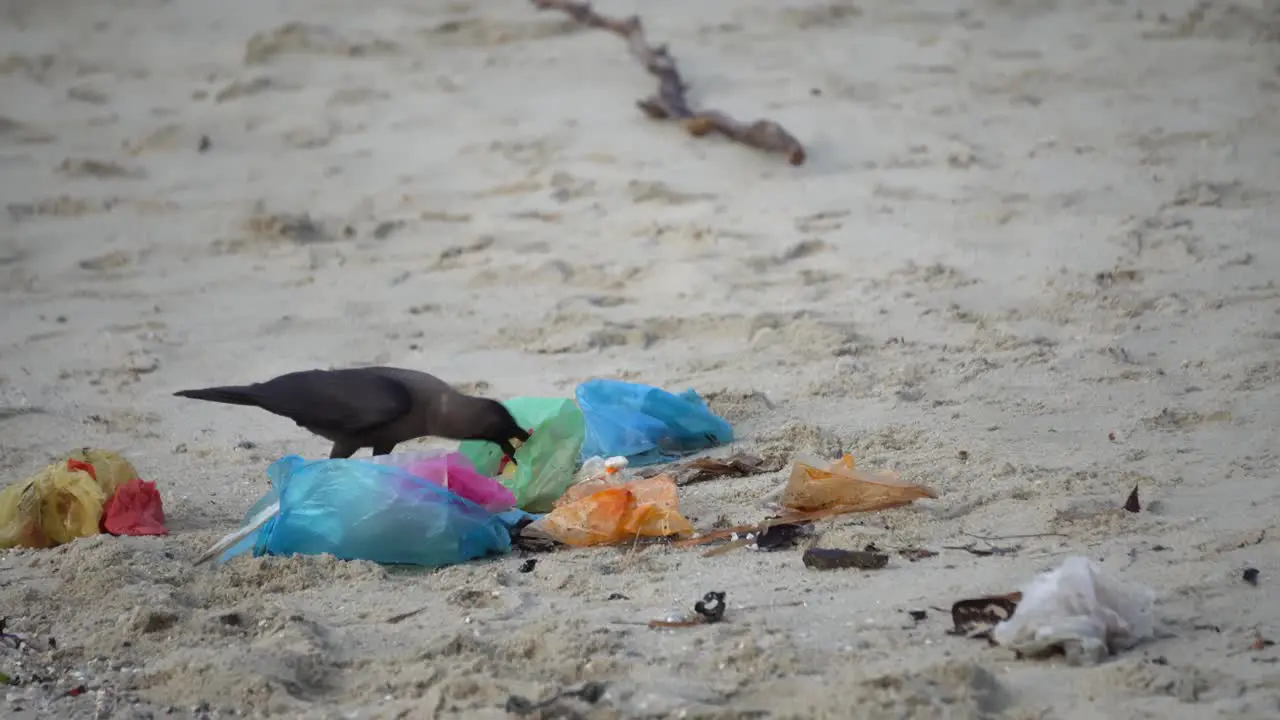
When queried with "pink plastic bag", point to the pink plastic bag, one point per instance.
{"points": [[453, 472]]}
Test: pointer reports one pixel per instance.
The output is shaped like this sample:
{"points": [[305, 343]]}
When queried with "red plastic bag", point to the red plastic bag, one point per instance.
{"points": [[134, 509]]}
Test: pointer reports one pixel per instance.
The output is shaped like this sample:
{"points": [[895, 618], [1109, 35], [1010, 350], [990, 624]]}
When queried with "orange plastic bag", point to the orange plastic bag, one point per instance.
{"points": [[843, 486], [56, 505], [606, 513]]}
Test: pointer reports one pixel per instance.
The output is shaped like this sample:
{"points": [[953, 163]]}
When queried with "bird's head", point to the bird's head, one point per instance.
{"points": [[495, 423]]}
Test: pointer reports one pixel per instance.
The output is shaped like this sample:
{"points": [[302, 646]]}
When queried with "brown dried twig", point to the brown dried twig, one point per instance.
{"points": [[670, 103]]}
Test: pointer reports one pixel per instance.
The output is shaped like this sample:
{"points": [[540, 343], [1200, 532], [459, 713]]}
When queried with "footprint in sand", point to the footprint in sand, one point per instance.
{"points": [[298, 38], [255, 86], [20, 133], [492, 32], [99, 169]]}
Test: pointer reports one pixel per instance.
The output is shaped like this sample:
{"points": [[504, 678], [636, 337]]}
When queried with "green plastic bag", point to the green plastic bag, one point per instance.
{"points": [[547, 462]]}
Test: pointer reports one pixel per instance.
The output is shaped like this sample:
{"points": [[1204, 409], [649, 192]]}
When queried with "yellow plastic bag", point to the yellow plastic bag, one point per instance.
{"points": [[110, 469], [611, 513], [52, 507], [843, 486]]}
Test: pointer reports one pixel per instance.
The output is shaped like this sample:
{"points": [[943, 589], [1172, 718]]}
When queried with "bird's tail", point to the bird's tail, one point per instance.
{"points": [[230, 395]]}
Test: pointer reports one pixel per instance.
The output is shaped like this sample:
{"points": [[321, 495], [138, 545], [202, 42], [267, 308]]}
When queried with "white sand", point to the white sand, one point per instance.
{"points": [[1024, 225]]}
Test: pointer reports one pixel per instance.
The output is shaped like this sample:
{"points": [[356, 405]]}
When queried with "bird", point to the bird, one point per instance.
{"points": [[374, 407]]}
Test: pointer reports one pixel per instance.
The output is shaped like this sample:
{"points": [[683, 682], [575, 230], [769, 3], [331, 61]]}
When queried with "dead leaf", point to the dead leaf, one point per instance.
{"points": [[1132, 504], [740, 465], [836, 559]]}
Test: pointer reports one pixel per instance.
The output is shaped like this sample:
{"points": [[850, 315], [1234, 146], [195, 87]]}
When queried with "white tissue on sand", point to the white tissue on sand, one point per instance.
{"points": [[1088, 613]]}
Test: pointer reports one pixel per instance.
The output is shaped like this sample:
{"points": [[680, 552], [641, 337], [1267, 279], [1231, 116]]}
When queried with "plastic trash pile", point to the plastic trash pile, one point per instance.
{"points": [[89, 491], [445, 507], [579, 481]]}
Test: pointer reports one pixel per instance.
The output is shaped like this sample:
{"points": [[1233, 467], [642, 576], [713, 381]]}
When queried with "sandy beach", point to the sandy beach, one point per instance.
{"points": [[1031, 262]]}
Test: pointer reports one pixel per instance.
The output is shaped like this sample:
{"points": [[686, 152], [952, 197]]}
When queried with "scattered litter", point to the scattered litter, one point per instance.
{"points": [[528, 565], [590, 693], [836, 559], [617, 596], [975, 618], [454, 472], [973, 549], [918, 615], [812, 494], [769, 539], [527, 539], [545, 463], [358, 510], [734, 533], [1251, 576], [438, 508], [711, 606], [914, 554], [613, 514], [1133, 505], [843, 486], [88, 492], [739, 465], [646, 424], [733, 544], [60, 503], [710, 609], [1080, 610], [780, 537]]}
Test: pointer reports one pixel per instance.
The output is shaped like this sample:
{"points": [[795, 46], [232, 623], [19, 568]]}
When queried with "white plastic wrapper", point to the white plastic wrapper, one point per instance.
{"points": [[1080, 609], [596, 467]]}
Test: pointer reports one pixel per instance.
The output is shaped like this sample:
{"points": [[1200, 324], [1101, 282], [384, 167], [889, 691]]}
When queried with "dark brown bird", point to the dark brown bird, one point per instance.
{"points": [[375, 407]]}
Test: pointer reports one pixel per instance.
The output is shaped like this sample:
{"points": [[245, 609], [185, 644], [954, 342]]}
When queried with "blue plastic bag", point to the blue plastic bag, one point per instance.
{"points": [[358, 510], [646, 424]]}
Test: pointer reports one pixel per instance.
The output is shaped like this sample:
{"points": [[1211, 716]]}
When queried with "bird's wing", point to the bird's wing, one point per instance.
{"points": [[347, 401]]}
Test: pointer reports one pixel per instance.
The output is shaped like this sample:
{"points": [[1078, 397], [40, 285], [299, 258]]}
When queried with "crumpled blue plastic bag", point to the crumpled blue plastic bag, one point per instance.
{"points": [[646, 424], [358, 510]]}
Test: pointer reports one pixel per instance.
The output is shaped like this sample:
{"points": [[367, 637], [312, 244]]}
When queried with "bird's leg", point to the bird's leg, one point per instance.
{"points": [[343, 450], [383, 449]]}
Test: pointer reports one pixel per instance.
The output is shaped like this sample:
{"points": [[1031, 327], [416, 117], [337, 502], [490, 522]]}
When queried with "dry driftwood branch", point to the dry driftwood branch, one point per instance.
{"points": [[670, 103]]}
